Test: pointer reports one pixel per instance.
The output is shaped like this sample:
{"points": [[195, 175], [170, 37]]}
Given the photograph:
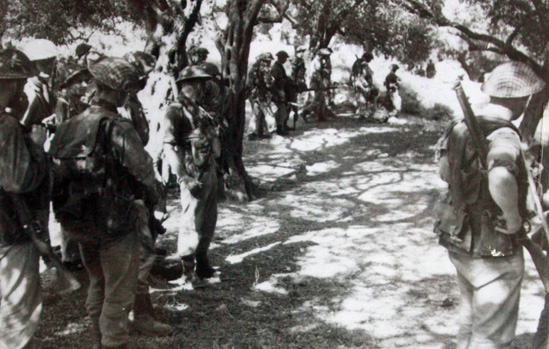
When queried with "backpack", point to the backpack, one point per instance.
{"points": [[82, 166]]}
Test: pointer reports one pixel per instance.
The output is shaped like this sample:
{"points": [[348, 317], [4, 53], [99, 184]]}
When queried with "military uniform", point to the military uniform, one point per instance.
{"points": [[23, 173], [485, 210], [191, 145], [363, 84], [260, 81], [279, 96], [96, 203]]}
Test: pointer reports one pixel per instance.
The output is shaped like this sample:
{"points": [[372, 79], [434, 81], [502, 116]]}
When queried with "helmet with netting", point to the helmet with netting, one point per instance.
{"points": [[512, 80], [116, 73], [266, 57]]}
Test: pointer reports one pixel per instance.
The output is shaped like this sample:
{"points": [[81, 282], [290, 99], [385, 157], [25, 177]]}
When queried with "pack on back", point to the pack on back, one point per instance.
{"points": [[79, 152]]}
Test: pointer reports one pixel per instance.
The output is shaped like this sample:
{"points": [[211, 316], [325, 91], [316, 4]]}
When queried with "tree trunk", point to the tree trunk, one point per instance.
{"points": [[242, 16]]}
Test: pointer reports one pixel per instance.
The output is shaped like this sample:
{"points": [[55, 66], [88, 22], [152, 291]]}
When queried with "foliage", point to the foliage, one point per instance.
{"points": [[439, 112], [62, 20], [375, 25]]}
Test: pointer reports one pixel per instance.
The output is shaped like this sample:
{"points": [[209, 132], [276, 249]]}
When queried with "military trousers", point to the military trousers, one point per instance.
{"points": [[198, 215], [20, 297], [113, 270], [489, 299]]}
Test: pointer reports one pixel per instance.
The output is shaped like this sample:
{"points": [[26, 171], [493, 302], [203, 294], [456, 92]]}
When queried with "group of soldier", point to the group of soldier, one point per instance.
{"points": [[73, 138]]}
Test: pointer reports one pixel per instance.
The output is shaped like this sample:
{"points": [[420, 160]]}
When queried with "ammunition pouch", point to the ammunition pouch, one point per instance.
{"points": [[451, 225]]}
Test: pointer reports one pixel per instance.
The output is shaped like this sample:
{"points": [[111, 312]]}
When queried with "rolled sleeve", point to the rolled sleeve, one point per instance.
{"points": [[504, 149]]}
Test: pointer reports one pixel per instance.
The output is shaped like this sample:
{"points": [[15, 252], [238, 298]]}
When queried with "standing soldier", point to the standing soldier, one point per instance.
{"points": [[144, 64], [102, 169], [73, 85], [430, 71], [488, 208], [392, 83], [261, 82], [23, 173], [40, 89], [298, 84], [279, 92], [362, 79], [190, 147], [320, 84], [144, 317]]}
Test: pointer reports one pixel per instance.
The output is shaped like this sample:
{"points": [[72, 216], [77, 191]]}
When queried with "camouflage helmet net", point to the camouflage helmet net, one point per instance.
{"points": [[115, 73], [512, 80], [192, 73]]}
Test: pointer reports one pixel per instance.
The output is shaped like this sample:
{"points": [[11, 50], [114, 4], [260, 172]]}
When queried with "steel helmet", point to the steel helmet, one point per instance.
{"points": [[266, 56], [142, 61], [115, 73], [191, 73], [67, 72], [82, 49], [282, 54], [39, 49], [14, 64], [512, 80]]}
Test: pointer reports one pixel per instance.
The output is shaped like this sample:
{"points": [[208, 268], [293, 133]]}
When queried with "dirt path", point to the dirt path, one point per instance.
{"points": [[338, 253]]}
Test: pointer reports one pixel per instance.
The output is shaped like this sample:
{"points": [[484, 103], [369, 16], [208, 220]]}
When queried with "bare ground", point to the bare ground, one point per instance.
{"points": [[337, 253]]}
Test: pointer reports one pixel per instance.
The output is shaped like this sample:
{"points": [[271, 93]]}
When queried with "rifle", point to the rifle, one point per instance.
{"points": [[538, 257], [66, 282]]}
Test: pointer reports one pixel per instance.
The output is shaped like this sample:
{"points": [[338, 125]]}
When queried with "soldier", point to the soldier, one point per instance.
{"points": [[40, 89], [279, 97], [392, 83], [487, 210], [23, 173], [190, 147], [144, 316], [320, 83], [298, 84], [144, 64], [362, 79], [101, 171], [430, 70], [260, 84], [73, 85]]}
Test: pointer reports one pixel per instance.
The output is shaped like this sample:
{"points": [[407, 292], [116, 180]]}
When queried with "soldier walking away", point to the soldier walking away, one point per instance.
{"points": [[23, 173], [362, 80], [280, 81], [101, 171], [260, 84], [486, 210], [298, 84], [190, 147]]}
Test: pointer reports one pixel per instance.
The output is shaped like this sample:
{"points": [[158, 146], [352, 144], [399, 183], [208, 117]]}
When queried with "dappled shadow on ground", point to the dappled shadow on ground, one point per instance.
{"points": [[337, 252]]}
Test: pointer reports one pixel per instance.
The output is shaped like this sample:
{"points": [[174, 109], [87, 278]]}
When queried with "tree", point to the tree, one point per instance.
{"points": [[518, 29], [234, 46]]}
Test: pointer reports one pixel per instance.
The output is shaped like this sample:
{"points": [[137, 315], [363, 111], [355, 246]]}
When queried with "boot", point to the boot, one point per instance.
{"points": [[188, 267], [203, 268], [144, 320]]}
